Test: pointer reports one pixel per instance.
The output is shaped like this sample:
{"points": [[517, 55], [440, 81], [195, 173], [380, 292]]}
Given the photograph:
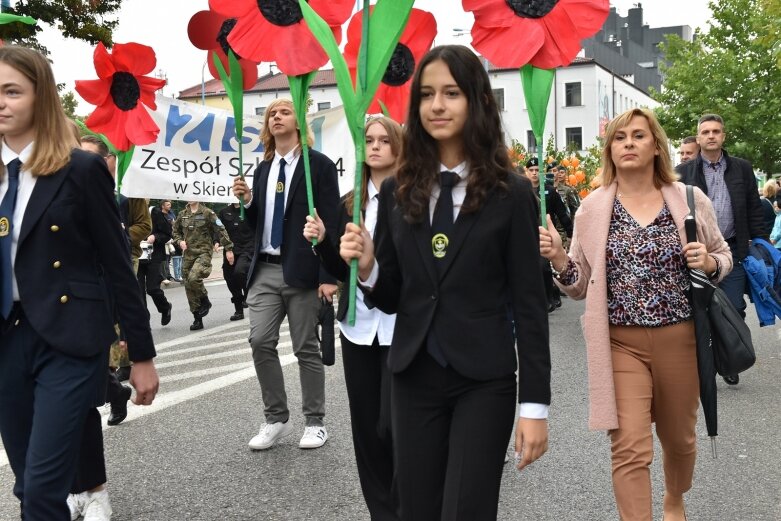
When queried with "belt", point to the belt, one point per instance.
{"points": [[269, 259]]}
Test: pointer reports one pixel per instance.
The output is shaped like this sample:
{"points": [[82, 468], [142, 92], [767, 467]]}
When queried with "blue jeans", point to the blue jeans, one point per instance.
{"points": [[734, 285], [177, 261]]}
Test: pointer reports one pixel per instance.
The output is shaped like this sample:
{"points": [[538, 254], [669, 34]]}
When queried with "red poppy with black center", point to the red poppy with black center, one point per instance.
{"points": [[394, 89], [275, 31], [209, 31], [545, 33], [120, 93]]}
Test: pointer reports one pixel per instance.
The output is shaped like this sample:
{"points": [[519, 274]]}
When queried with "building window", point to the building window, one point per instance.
{"points": [[531, 143], [572, 97], [574, 138], [499, 97], [323, 105], [259, 111]]}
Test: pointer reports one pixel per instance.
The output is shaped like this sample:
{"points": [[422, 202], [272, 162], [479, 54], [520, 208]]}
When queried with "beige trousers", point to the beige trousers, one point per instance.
{"points": [[656, 380]]}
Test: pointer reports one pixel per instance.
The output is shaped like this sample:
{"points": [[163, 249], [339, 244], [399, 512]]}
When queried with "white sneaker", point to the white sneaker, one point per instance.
{"points": [[314, 437], [269, 434], [76, 504], [98, 507]]}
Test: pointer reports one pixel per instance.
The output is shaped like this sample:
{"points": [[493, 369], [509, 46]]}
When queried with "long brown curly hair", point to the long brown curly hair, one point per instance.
{"points": [[482, 142]]}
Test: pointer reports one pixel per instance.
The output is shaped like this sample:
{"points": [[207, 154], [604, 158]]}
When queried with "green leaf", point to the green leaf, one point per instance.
{"points": [[537, 85], [384, 109], [299, 91], [11, 18], [237, 94], [386, 25]]}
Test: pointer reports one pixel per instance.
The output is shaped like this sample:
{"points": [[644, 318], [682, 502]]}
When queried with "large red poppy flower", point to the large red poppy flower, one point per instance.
{"points": [[275, 31], [394, 89], [120, 93], [209, 31], [545, 33]]}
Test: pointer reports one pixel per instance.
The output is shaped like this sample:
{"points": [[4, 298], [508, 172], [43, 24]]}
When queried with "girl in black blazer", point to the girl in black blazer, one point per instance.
{"points": [[65, 274], [456, 260], [365, 344]]}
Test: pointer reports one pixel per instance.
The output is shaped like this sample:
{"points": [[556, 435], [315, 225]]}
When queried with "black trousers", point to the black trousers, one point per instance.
{"points": [[450, 437], [150, 277], [91, 466], [236, 276], [367, 378], [44, 399]]}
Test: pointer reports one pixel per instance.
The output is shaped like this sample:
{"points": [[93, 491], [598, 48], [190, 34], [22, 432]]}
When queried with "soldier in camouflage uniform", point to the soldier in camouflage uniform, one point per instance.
{"points": [[194, 230]]}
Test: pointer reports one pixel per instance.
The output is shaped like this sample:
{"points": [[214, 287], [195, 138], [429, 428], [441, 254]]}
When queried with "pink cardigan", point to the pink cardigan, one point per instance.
{"points": [[588, 253]]}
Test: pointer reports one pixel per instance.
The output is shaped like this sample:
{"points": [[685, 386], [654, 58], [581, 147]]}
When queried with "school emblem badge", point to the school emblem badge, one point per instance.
{"points": [[5, 226], [439, 244], [280, 187]]}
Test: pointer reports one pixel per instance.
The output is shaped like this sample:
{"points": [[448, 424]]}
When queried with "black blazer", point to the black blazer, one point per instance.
{"points": [[491, 289], [162, 230], [742, 186], [73, 264], [300, 266]]}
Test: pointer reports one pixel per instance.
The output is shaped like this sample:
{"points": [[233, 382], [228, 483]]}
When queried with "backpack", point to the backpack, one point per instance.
{"points": [[763, 270]]}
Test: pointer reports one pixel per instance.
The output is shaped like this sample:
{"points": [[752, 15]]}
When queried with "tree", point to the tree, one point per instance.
{"points": [[727, 71], [80, 19], [772, 39]]}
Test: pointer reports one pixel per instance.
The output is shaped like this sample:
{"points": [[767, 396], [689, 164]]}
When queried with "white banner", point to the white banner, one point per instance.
{"points": [[196, 154]]}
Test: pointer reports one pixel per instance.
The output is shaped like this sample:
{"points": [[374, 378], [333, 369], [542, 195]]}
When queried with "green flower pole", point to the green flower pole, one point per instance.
{"points": [[381, 33]]}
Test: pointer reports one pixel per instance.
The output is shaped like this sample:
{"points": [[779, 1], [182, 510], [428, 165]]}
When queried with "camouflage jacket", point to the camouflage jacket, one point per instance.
{"points": [[199, 228], [570, 198]]}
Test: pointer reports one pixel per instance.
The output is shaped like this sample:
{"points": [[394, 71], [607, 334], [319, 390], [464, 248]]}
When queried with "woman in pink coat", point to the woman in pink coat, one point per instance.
{"points": [[629, 259]]}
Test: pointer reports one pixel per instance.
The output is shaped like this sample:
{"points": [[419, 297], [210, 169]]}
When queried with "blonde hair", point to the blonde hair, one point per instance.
{"points": [[663, 166], [770, 189], [53, 138], [396, 139], [269, 144]]}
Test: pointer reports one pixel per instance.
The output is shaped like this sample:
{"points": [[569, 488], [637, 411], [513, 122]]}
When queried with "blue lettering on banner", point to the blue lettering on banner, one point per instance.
{"points": [[174, 123], [202, 133]]}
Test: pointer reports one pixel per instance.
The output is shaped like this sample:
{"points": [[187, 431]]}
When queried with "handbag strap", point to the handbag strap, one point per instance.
{"points": [[691, 229]]}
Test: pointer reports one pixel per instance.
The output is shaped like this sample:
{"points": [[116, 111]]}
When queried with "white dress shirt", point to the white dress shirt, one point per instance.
{"points": [[25, 190], [369, 322], [291, 160], [526, 410]]}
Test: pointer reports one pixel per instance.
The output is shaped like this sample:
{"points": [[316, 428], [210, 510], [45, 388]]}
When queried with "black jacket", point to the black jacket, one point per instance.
{"points": [[300, 266], [742, 186], [242, 235], [161, 229], [489, 293]]}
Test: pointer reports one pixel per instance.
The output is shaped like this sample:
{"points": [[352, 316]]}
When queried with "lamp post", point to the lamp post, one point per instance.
{"points": [[203, 83]]}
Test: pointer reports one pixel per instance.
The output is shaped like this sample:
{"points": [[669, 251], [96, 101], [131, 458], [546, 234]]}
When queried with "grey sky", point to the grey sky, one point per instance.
{"points": [[162, 24]]}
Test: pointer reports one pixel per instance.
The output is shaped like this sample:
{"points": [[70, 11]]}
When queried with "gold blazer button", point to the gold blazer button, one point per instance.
{"points": [[64, 299], [56, 264], [55, 228]]}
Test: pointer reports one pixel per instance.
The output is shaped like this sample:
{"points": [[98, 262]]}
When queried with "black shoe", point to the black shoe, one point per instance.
{"points": [[119, 408], [238, 315], [557, 302], [732, 380], [205, 307], [123, 373], [197, 323], [551, 307], [166, 318], [244, 304]]}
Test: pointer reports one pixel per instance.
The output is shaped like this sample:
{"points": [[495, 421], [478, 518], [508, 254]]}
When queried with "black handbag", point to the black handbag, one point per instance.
{"points": [[325, 332], [733, 350]]}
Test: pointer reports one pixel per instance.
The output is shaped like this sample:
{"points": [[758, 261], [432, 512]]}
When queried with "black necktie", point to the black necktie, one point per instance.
{"points": [[442, 223], [6, 237], [279, 207], [441, 233]]}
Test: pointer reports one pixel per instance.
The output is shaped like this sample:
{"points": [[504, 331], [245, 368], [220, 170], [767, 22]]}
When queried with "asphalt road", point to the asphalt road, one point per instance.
{"points": [[186, 457]]}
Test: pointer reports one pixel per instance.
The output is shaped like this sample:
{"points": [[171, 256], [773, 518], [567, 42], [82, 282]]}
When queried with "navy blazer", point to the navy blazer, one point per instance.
{"points": [[300, 266], [73, 265], [487, 303]]}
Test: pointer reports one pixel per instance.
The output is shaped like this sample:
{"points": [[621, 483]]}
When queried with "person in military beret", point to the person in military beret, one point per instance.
{"points": [[194, 230]]}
